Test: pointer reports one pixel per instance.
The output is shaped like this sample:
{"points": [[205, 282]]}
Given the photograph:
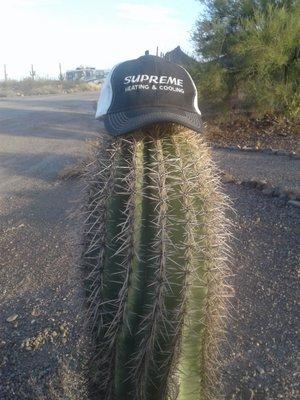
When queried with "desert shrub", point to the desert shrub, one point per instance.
{"points": [[270, 68], [250, 52]]}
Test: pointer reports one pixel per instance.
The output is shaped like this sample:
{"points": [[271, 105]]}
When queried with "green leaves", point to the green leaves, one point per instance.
{"points": [[268, 50], [251, 52]]}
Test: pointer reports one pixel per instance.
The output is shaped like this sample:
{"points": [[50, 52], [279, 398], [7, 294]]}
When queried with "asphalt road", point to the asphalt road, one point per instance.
{"points": [[41, 341], [38, 280], [279, 171]]}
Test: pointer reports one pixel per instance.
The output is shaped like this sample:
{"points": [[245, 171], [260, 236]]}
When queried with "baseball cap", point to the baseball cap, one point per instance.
{"points": [[147, 90]]}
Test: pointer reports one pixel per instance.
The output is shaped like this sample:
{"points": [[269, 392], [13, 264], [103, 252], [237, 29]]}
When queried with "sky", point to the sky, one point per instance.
{"points": [[96, 33]]}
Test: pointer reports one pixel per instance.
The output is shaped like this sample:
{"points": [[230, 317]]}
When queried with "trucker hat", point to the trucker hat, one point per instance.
{"points": [[147, 90]]}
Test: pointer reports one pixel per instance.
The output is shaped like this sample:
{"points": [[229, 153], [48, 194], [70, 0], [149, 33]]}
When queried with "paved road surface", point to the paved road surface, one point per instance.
{"points": [[42, 347], [279, 171], [38, 137]]}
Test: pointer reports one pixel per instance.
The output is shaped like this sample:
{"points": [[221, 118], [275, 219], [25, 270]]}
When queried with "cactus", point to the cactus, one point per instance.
{"points": [[154, 266]]}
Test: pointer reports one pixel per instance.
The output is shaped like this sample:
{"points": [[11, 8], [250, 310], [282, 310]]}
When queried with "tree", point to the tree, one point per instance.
{"points": [[269, 52], [250, 45]]}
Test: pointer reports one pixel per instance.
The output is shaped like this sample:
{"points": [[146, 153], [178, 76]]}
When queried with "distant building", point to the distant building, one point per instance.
{"points": [[88, 74], [180, 57]]}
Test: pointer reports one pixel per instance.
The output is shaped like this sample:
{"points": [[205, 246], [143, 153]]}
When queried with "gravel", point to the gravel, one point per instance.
{"points": [[261, 352]]}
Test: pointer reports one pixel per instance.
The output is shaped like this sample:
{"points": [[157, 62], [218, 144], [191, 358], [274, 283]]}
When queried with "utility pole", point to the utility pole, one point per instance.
{"points": [[32, 72], [156, 51], [5, 73], [61, 77]]}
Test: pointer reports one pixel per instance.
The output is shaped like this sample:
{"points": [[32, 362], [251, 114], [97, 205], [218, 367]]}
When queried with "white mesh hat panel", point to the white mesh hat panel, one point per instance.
{"points": [[196, 93], [106, 95]]}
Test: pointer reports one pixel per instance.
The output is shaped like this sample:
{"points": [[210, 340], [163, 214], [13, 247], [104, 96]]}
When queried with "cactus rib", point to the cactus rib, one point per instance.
{"points": [[155, 265]]}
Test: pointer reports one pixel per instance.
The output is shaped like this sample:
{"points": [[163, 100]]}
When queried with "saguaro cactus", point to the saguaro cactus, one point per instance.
{"points": [[153, 262]]}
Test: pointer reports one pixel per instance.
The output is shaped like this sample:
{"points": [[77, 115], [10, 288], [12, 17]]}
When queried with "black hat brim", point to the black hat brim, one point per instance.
{"points": [[124, 122]]}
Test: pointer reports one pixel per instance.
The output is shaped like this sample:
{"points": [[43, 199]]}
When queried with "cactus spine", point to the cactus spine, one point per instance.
{"points": [[154, 266]]}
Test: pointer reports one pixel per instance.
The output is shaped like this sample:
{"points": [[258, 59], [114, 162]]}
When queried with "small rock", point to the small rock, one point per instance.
{"points": [[35, 313], [63, 327], [268, 191], [261, 184], [276, 192], [295, 203], [269, 151], [282, 196], [281, 152], [250, 184], [260, 370], [227, 178], [12, 318], [294, 194]]}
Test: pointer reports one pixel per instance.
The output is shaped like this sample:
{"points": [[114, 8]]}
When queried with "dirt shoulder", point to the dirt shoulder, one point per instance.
{"points": [[261, 350], [254, 133]]}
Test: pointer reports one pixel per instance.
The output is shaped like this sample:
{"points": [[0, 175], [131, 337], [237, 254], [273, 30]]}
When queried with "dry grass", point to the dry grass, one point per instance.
{"points": [[28, 87]]}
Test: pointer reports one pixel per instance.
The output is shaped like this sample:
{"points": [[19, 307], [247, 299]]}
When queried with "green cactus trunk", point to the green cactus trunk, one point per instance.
{"points": [[153, 262]]}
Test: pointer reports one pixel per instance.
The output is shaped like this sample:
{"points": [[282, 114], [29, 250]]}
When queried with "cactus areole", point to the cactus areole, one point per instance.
{"points": [[153, 263]]}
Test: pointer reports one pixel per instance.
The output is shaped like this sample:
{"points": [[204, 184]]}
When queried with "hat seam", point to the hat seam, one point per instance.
{"points": [[148, 106]]}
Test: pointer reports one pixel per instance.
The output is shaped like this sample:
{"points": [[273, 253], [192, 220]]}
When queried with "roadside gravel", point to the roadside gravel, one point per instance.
{"points": [[261, 353]]}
